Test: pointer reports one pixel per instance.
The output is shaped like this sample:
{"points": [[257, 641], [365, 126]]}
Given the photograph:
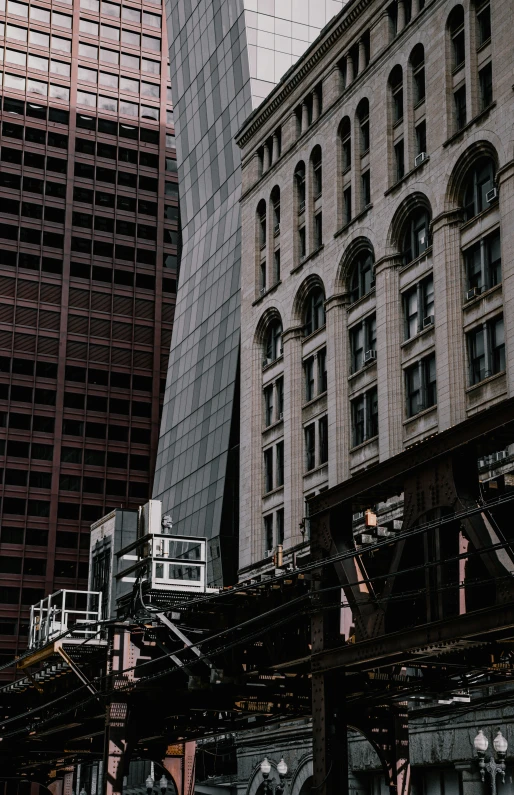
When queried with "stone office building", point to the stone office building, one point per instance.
{"points": [[376, 283]]}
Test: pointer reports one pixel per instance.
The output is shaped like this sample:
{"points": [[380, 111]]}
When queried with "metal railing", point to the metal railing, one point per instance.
{"points": [[74, 612]]}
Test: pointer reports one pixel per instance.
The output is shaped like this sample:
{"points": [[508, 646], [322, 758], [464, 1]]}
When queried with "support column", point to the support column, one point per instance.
{"points": [[305, 117], [505, 180], [415, 7], [449, 337], [337, 377], [389, 373], [180, 764], [121, 656], [315, 105], [349, 70], [400, 22], [266, 158], [293, 435], [362, 56], [275, 154]]}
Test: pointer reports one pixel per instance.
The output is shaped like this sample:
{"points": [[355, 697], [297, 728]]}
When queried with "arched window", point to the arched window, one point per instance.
{"points": [[363, 119], [416, 234], [275, 203], [478, 189], [396, 87], [362, 277], [299, 179], [456, 30], [417, 62], [314, 311], [261, 223], [345, 136], [317, 179], [273, 345]]}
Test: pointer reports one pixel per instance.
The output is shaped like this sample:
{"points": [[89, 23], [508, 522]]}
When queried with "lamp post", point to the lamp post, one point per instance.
{"points": [[273, 787], [149, 784], [492, 766], [163, 784]]}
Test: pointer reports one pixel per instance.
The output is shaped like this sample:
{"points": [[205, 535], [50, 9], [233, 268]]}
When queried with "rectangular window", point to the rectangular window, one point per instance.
{"points": [[364, 128], [268, 470], [420, 386], [262, 276], [302, 242], [308, 370], [279, 386], [486, 85], [322, 371], [268, 406], [486, 350], [280, 464], [484, 24], [418, 307], [398, 104], [280, 526], [419, 84], [483, 264], [459, 48], [399, 161], [363, 342], [323, 440], [347, 206], [460, 108], [365, 417], [347, 153], [268, 534], [310, 447], [318, 231], [421, 137], [366, 189], [317, 179]]}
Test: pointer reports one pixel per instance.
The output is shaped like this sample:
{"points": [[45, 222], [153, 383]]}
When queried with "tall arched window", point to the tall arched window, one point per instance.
{"points": [[261, 223], [362, 276], [478, 190], [299, 179], [273, 343], [317, 175], [417, 62], [363, 119], [415, 239], [314, 316], [456, 31], [345, 136], [396, 88], [275, 204]]}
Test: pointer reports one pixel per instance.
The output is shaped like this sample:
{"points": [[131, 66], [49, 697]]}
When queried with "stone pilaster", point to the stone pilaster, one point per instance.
{"points": [[389, 374], [339, 431], [505, 179], [449, 337], [293, 435]]}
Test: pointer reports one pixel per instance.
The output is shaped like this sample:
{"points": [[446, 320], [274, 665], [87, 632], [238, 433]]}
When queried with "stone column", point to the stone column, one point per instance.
{"points": [[400, 22], [315, 105], [275, 154], [505, 180], [266, 158], [337, 378], [415, 7], [449, 337], [362, 56], [305, 117], [349, 69], [293, 435], [389, 373]]}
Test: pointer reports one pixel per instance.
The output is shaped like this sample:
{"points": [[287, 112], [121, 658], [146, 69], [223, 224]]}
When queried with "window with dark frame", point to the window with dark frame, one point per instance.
{"points": [[318, 231], [362, 279], [308, 370], [310, 447], [485, 77], [418, 307], [364, 411], [486, 350], [268, 534], [416, 235], [323, 440], [483, 264], [459, 101], [322, 371], [279, 478], [458, 45], [279, 386], [268, 470], [399, 160], [314, 311], [317, 172], [276, 265], [420, 385], [268, 406], [396, 83], [483, 24], [280, 525], [366, 189], [347, 205], [479, 182], [273, 341], [418, 74], [363, 342], [421, 137]]}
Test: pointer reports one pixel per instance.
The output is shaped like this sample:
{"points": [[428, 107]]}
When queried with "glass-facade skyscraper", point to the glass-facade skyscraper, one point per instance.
{"points": [[225, 57]]}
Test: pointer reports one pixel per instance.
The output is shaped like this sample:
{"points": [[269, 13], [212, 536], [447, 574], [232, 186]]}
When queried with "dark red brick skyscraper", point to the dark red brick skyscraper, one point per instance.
{"points": [[88, 256]]}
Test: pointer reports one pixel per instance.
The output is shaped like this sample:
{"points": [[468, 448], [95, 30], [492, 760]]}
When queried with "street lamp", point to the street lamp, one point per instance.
{"points": [[163, 784], [492, 766], [149, 785], [273, 787]]}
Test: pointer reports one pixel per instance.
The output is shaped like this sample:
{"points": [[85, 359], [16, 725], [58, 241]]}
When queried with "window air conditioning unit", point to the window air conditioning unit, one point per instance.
{"points": [[491, 195], [501, 455], [370, 356], [263, 290], [473, 293], [420, 158], [428, 321]]}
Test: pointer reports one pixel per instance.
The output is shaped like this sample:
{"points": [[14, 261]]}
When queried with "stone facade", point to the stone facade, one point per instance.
{"points": [[380, 169]]}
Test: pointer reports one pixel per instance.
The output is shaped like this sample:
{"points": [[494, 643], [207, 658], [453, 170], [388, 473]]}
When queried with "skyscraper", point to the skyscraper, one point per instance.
{"points": [[88, 251], [225, 56]]}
